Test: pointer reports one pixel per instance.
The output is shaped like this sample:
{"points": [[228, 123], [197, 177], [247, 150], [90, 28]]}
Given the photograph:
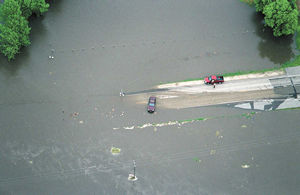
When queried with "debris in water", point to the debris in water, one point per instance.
{"points": [[244, 126], [115, 128], [218, 135], [197, 160], [132, 177], [81, 122], [212, 152], [132, 127], [74, 114], [115, 151], [245, 166]]}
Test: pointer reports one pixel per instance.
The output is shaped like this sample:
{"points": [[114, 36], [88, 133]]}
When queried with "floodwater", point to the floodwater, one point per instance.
{"points": [[60, 117]]}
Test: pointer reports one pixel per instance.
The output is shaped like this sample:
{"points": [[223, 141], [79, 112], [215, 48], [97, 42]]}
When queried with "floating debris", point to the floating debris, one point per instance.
{"points": [[197, 160], [74, 114], [245, 166], [181, 122], [80, 122], [116, 128], [244, 126], [249, 115], [213, 152], [115, 151], [145, 125], [218, 135], [132, 177]]}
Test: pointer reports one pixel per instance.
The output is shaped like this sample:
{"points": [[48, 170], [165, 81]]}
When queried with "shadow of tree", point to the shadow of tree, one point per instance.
{"points": [[10, 68], [276, 49]]}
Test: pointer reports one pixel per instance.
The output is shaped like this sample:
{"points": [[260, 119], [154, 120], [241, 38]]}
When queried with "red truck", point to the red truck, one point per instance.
{"points": [[214, 79]]}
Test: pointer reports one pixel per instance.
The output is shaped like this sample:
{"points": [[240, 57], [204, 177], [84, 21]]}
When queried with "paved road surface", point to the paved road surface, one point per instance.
{"points": [[231, 91]]}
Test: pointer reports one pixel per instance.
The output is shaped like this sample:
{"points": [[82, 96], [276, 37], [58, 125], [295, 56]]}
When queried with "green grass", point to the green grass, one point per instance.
{"points": [[250, 72], [297, 108], [295, 62], [230, 74]]}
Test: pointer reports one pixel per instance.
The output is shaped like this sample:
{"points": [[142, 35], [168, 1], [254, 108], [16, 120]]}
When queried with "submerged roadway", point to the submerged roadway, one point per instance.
{"points": [[234, 89]]}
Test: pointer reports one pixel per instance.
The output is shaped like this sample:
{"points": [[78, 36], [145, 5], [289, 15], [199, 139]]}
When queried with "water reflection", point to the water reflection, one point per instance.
{"points": [[276, 49], [10, 68]]}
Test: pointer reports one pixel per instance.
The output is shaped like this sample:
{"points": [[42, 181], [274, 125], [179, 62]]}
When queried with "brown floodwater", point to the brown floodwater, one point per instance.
{"points": [[60, 117]]}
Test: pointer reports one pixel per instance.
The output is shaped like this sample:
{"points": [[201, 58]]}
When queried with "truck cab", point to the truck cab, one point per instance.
{"points": [[212, 79]]}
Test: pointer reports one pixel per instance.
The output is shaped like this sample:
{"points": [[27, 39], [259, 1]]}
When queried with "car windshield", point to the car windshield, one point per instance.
{"points": [[151, 104]]}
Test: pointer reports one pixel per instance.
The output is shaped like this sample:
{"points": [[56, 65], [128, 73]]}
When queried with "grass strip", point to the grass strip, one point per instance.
{"points": [[297, 108], [230, 74]]}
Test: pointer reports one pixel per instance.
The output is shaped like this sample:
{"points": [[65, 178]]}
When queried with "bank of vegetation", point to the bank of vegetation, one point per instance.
{"points": [[14, 27], [280, 15]]}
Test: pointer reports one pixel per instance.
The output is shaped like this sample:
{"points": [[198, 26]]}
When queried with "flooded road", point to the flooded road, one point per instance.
{"points": [[60, 117]]}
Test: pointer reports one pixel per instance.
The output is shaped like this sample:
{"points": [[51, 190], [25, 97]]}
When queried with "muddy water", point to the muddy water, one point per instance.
{"points": [[60, 117]]}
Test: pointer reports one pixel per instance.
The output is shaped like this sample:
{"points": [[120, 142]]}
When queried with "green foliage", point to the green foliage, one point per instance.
{"points": [[260, 4], [280, 15], [295, 62], [14, 32], [28, 7], [9, 44], [14, 29]]}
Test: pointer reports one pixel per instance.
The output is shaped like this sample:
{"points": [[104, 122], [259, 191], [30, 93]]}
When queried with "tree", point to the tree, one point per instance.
{"points": [[281, 17], [9, 44], [33, 6], [14, 32], [260, 4]]}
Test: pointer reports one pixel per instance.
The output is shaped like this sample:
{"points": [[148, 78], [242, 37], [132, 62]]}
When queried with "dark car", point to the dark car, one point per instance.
{"points": [[214, 79], [151, 104]]}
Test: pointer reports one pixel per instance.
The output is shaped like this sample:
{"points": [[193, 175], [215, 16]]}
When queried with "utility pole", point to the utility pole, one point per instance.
{"points": [[132, 177], [134, 166], [295, 91]]}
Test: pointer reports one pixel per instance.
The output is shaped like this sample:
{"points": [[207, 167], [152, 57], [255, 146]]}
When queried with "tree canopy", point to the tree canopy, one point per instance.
{"points": [[280, 15], [28, 7], [14, 29]]}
